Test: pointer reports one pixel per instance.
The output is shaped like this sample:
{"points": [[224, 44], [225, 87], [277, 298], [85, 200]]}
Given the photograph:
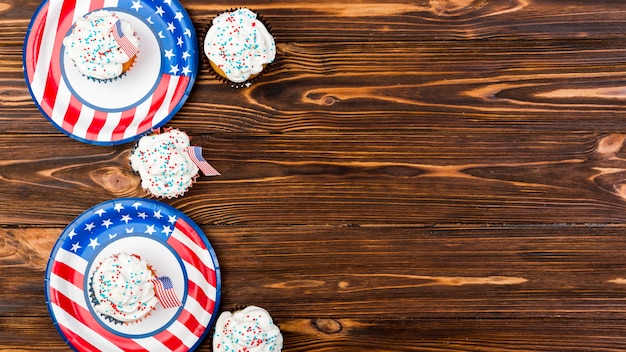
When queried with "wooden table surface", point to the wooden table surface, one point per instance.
{"points": [[409, 176]]}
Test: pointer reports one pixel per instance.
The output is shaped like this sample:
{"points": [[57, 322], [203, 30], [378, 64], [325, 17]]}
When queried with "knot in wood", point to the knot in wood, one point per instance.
{"points": [[114, 180], [610, 145], [327, 326], [455, 7]]}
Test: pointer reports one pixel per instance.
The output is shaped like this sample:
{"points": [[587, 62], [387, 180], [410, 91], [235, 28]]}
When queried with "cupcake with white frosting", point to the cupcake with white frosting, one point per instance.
{"points": [[251, 329], [168, 164], [122, 289], [239, 47], [101, 45]]}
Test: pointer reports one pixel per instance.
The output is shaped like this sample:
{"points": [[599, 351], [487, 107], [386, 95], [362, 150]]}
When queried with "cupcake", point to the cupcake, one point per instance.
{"points": [[102, 46], [167, 164], [122, 289], [251, 329], [239, 47]]}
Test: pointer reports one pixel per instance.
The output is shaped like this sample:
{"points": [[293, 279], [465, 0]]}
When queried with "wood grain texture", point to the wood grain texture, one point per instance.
{"points": [[431, 175], [364, 21], [339, 178], [348, 334], [418, 273], [356, 87], [428, 284]]}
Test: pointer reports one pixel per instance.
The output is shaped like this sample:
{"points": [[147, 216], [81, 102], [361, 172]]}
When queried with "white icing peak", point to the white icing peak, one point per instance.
{"points": [[239, 44], [121, 285], [251, 329], [164, 164], [93, 48]]}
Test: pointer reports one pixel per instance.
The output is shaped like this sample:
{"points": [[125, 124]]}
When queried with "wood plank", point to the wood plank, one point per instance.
{"points": [[327, 334], [525, 272], [390, 20], [544, 288], [361, 178], [398, 86]]}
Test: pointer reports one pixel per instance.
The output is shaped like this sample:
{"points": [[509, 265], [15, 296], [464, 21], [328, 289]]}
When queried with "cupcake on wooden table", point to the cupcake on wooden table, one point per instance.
{"points": [[251, 329], [239, 47], [168, 164], [102, 46]]}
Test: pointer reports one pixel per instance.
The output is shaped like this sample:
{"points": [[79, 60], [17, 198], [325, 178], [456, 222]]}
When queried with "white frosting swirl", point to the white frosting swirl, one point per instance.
{"points": [[164, 164], [93, 48], [251, 329], [239, 44], [121, 285]]}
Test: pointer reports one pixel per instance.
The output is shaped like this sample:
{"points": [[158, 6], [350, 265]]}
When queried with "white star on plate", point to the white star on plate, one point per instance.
{"points": [[126, 218], [130, 230], [159, 11], [150, 229], [136, 205], [107, 223], [100, 212], [75, 247], [169, 2], [71, 234], [169, 53], [187, 32], [179, 15], [186, 55], [157, 214], [93, 243], [142, 215], [186, 71], [179, 41], [171, 219], [166, 230], [118, 207], [136, 5], [171, 27], [89, 226], [174, 69]]}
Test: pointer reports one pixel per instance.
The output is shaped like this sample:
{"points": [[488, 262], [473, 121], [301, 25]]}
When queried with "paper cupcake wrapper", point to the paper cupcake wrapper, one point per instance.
{"points": [[108, 80]]}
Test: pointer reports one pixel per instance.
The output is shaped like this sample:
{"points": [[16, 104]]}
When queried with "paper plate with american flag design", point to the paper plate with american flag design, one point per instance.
{"points": [[173, 246], [120, 110]]}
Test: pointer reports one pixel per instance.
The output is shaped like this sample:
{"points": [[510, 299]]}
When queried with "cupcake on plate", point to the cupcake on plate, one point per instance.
{"points": [[251, 329], [239, 47], [167, 164], [122, 290], [102, 46]]}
